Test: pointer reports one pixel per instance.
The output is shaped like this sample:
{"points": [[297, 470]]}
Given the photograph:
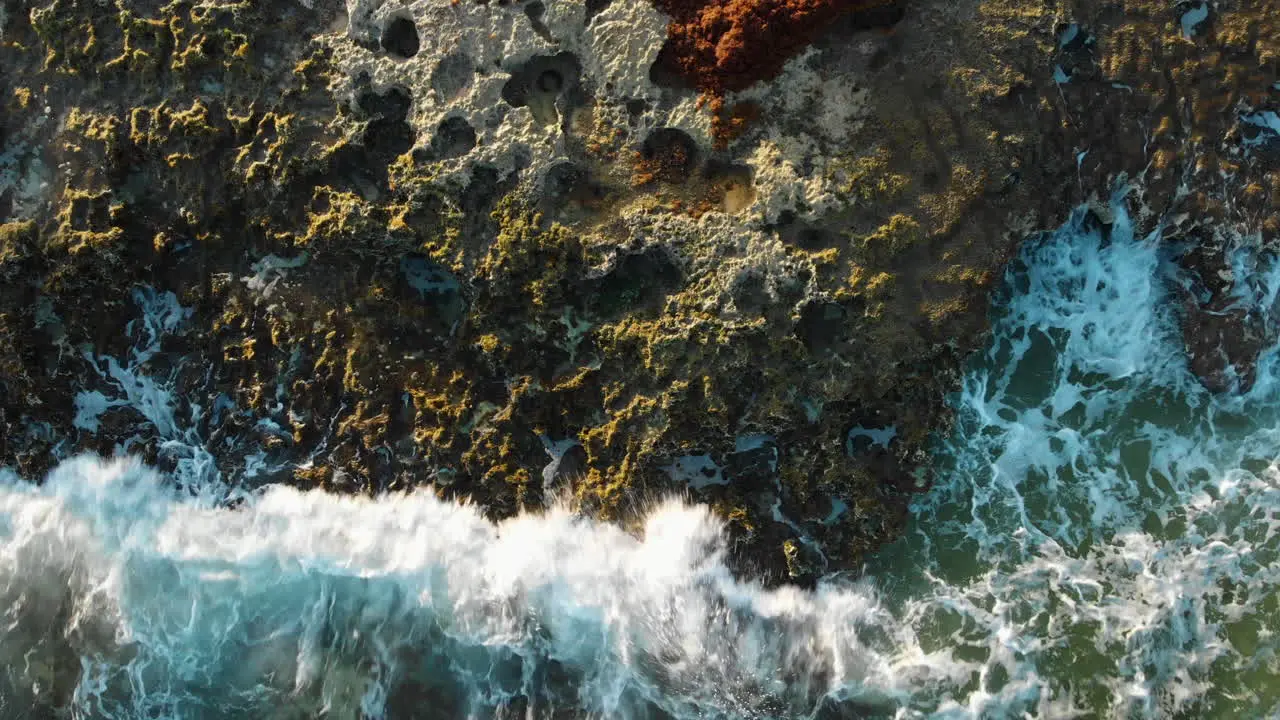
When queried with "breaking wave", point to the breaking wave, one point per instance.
{"points": [[1100, 541], [129, 601]]}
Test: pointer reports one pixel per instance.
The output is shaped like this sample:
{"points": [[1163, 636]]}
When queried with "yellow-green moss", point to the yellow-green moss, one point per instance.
{"points": [[16, 243], [891, 239], [869, 178], [535, 258]]}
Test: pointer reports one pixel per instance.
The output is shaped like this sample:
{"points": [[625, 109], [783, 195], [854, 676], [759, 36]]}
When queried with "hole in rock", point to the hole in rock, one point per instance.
{"points": [[550, 81], [568, 191], [635, 278], [400, 37], [454, 138], [542, 83], [879, 59], [542, 79], [452, 76], [388, 132], [562, 181], [733, 185], [670, 155], [809, 237], [534, 11], [749, 291], [821, 325]]}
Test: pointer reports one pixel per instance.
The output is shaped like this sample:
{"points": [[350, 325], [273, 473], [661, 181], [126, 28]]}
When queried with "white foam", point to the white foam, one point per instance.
{"points": [[135, 386], [1095, 546], [270, 271], [90, 405], [313, 599]]}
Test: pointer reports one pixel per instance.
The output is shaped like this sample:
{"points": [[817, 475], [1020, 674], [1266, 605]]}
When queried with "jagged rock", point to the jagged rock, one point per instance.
{"points": [[414, 239]]}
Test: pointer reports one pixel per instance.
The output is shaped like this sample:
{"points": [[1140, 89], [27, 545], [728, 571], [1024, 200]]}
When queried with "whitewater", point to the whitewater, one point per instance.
{"points": [[1100, 541]]}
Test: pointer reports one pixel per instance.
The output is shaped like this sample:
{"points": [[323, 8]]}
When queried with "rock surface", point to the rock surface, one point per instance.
{"points": [[571, 248]]}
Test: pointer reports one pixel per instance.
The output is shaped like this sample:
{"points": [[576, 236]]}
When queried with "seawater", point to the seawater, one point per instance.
{"points": [[1100, 541]]}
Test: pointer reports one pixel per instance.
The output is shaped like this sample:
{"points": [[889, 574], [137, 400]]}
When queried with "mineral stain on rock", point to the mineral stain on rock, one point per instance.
{"points": [[719, 46]]}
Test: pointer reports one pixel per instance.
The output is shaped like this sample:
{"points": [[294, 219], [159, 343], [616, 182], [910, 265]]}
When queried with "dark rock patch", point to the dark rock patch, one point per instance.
{"points": [[668, 155], [387, 132], [454, 138], [749, 291], [634, 279], [595, 7], [400, 38], [821, 325], [452, 75], [534, 11], [568, 191], [1223, 335]]}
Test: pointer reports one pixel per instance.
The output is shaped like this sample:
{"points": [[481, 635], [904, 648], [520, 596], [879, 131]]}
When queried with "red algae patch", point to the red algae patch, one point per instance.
{"points": [[727, 123], [720, 46]]}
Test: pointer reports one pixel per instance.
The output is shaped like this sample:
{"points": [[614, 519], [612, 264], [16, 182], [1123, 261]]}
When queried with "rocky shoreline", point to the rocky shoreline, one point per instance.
{"points": [[545, 249]]}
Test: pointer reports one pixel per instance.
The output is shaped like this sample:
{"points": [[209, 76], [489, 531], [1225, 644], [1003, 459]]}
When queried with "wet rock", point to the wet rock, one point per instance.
{"points": [[586, 219], [804, 563], [1260, 136], [1223, 345], [753, 463], [1225, 323], [821, 325], [568, 463]]}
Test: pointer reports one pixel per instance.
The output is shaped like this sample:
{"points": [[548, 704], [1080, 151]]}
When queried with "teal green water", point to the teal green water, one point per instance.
{"points": [[1102, 538]]}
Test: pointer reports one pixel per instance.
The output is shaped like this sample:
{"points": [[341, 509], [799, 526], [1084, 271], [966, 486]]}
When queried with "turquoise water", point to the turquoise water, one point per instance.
{"points": [[1100, 542], [1102, 539]]}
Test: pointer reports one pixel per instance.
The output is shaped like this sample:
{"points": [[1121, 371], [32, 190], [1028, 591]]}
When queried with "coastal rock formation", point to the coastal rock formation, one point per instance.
{"points": [[595, 251]]}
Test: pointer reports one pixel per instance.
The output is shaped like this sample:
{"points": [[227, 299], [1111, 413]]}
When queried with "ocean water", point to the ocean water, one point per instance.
{"points": [[1100, 541]]}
